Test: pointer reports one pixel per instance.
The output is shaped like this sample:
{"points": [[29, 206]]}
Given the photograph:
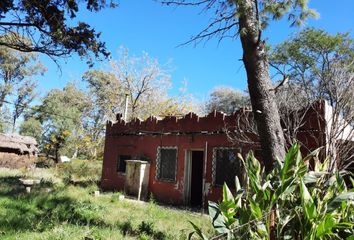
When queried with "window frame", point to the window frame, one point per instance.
{"points": [[158, 164], [214, 162]]}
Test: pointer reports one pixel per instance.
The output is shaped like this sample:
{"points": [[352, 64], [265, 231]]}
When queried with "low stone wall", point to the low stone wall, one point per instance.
{"points": [[13, 160]]}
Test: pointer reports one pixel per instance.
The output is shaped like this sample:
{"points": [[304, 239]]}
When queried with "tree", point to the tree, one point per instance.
{"points": [[247, 19], [142, 80], [61, 115], [5, 119], [16, 68], [227, 100], [106, 93], [33, 128], [47, 27], [17, 86], [319, 66], [106, 100], [25, 94]]}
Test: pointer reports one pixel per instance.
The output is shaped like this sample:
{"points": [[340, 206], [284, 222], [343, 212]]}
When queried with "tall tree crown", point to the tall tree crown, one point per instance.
{"points": [[227, 13], [45, 24]]}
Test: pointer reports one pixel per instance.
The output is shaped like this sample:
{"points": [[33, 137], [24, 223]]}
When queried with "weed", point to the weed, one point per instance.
{"points": [[115, 197], [144, 237], [146, 227], [126, 228]]}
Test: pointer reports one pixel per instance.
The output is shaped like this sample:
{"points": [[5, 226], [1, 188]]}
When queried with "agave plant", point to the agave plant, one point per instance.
{"points": [[291, 202]]}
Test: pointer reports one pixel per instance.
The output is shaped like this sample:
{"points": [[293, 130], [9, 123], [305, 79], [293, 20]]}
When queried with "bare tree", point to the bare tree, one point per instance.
{"points": [[144, 81], [340, 117], [227, 100]]}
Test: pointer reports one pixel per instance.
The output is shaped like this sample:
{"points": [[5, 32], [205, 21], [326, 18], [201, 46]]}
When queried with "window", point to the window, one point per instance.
{"points": [[226, 166], [121, 164], [166, 163]]}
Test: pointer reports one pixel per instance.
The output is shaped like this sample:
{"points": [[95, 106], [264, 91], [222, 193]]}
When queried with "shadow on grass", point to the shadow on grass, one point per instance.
{"points": [[11, 186], [40, 209], [85, 183], [144, 228]]}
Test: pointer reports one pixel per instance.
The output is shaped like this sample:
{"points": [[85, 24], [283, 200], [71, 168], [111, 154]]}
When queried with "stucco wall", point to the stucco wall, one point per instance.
{"points": [[138, 138]]}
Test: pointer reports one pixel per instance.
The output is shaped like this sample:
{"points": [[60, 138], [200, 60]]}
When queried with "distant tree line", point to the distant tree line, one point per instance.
{"points": [[71, 121]]}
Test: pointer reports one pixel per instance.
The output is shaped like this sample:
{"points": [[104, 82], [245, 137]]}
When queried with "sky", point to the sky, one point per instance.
{"points": [[146, 25]]}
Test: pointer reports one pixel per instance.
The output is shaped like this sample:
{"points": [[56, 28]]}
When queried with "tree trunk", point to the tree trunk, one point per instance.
{"points": [[56, 160], [259, 84]]}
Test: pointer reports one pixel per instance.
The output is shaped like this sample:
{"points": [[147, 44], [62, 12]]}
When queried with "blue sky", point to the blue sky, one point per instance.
{"points": [[146, 25]]}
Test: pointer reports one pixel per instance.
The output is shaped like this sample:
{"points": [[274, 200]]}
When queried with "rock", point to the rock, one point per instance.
{"points": [[64, 159]]}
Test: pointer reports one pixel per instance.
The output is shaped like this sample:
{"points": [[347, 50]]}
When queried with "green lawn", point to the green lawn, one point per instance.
{"points": [[54, 210]]}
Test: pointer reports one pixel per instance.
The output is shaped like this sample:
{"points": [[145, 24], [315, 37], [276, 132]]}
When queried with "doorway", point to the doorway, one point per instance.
{"points": [[196, 179]]}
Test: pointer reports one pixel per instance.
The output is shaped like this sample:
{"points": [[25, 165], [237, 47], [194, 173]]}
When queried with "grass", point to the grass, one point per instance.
{"points": [[59, 209]]}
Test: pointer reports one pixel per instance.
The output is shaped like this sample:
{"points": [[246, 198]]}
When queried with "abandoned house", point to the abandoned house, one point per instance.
{"points": [[185, 161], [17, 151]]}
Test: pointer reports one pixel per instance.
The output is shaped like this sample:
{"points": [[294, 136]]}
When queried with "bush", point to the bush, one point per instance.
{"points": [[80, 171], [291, 202], [44, 162]]}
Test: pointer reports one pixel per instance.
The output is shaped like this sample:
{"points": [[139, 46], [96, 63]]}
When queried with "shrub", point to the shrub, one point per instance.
{"points": [[80, 171], [44, 162], [291, 202]]}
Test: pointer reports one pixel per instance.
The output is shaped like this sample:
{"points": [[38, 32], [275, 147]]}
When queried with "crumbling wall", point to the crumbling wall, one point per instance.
{"points": [[10, 158]]}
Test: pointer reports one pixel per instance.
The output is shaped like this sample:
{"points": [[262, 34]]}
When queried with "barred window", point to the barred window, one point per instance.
{"points": [[226, 166], [166, 163], [121, 163]]}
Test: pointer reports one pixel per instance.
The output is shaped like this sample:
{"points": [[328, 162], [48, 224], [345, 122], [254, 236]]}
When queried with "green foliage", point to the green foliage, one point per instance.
{"points": [[51, 28], [291, 202], [318, 65], [16, 84], [61, 115], [297, 11], [33, 128], [40, 212], [310, 59], [77, 171]]}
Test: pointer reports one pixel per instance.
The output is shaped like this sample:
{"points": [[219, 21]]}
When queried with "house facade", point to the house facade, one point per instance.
{"points": [[190, 157]]}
